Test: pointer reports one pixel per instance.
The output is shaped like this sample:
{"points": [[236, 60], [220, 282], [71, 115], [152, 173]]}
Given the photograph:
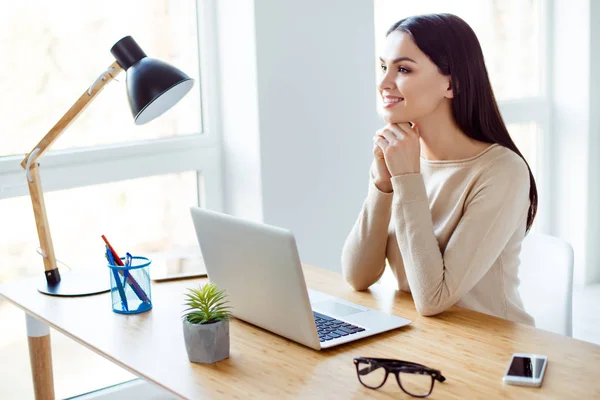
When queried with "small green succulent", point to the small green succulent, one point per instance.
{"points": [[206, 305]]}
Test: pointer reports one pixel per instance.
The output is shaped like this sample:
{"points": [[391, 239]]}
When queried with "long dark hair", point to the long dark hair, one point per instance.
{"points": [[453, 46]]}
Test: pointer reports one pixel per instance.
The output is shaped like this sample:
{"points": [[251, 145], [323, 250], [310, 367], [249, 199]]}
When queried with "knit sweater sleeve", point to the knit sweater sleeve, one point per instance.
{"points": [[495, 210], [364, 251]]}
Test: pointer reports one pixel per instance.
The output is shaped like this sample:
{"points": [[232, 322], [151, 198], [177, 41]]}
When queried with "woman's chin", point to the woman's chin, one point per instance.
{"points": [[393, 119]]}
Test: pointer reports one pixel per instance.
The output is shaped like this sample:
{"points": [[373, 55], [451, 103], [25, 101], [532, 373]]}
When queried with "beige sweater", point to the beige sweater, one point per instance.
{"points": [[451, 234]]}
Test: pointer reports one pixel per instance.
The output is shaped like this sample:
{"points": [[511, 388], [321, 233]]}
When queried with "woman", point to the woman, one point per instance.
{"points": [[450, 197]]}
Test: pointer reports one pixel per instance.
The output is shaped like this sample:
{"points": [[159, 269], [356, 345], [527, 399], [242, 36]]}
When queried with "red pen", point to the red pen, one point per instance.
{"points": [[115, 255]]}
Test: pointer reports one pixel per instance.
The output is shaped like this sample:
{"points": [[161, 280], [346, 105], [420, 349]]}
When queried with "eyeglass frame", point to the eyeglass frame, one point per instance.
{"points": [[395, 367]]}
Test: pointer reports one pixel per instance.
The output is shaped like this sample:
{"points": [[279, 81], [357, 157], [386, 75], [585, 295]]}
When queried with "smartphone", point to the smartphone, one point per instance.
{"points": [[526, 369]]}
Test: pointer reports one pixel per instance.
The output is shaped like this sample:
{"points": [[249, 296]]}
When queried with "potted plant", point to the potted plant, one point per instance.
{"points": [[206, 324]]}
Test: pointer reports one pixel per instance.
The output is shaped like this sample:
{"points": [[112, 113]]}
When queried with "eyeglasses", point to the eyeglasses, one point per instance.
{"points": [[414, 379]]}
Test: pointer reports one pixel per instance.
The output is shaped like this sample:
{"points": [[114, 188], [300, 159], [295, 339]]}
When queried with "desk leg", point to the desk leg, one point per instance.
{"points": [[40, 355]]}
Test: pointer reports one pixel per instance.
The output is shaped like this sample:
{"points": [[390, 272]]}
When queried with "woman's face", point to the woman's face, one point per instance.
{"points": [[410, 85]]}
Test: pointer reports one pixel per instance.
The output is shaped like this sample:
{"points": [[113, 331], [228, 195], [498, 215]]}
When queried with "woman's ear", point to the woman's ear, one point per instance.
{"points": [[449, 89]]}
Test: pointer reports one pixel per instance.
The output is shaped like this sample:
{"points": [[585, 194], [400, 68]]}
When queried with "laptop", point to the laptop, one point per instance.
{"points": [[259, 268]]}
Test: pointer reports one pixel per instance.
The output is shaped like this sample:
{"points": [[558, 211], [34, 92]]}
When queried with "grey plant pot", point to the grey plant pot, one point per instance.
{"points": [[206, 343]]}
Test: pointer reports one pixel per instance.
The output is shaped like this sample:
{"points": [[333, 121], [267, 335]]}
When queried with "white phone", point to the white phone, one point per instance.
{"points": [[526, 369]]}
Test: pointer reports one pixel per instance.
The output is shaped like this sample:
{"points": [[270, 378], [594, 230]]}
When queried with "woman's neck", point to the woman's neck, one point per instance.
{"points": [[442, 139]]}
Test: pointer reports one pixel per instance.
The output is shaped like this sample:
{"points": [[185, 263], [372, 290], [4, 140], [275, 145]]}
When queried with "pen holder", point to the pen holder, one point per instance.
{"points": [[130, 286]]}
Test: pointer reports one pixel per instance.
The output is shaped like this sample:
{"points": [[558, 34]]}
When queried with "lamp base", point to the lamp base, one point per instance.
{"points": [[78, 283]]}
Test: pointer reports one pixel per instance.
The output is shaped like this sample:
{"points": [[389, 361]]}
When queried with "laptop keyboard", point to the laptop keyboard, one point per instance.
{"points": [[331, 328]]}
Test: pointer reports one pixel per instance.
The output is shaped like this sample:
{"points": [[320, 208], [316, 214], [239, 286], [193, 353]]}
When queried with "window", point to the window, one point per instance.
{"points": [[104, 175], [527, 138], [54, 57], [142, 216]]}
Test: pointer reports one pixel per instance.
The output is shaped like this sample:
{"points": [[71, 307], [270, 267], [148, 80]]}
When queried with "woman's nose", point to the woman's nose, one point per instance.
{"points": [[385, 82]]}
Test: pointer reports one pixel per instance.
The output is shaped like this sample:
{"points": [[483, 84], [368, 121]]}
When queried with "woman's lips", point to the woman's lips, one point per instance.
{"points": [[389, 102]]}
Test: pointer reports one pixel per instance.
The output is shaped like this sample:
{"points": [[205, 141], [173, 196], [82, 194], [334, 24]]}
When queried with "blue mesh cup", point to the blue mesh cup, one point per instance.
{"points": [[130, 286]]}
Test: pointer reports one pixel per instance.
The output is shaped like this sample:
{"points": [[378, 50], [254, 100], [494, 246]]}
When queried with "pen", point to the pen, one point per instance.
{"points": [[127, 264], [116, 257], [111, 260]]}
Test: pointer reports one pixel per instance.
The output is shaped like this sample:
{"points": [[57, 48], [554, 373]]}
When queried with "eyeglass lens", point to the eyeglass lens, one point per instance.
{"points": [[416, 382], [412, 381]]}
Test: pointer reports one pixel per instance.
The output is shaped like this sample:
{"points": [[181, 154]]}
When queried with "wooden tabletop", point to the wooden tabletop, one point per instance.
{"points": [[472, 350]]}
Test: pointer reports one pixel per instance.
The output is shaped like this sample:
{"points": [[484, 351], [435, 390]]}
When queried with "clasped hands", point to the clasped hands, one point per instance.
{"points": [[397, 151]]}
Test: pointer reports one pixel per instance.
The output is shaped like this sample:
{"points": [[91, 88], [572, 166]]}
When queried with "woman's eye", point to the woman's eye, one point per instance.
{"points": [[403, 70], [383, 67]]}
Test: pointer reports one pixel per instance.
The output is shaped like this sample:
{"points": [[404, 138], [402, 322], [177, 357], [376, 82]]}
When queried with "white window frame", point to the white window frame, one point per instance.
{"points": [[538, 109], [201, 152], [535, 109]]}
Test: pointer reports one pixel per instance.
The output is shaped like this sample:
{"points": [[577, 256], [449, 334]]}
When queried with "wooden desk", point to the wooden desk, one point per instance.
{"points": [[472, 350]]}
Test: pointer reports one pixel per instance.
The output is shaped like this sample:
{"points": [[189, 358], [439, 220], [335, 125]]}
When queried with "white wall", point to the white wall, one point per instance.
{"points": [[239, 108], [311, 116]]}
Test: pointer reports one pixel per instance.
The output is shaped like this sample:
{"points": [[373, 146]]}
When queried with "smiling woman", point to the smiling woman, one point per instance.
{"points": [[446, 61], [514, 44], [451, 196], [408, 76]]}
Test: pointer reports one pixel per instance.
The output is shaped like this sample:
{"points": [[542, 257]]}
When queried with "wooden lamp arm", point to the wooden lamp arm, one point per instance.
{"points": [[70, 116], [33, 174]]}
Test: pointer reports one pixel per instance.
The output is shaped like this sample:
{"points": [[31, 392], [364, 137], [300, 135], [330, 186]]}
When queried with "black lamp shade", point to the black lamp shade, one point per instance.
{"points": [[153, 86]]}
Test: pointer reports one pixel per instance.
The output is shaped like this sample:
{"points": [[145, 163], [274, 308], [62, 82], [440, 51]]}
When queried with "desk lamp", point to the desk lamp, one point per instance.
{"points": [[153, 87]]}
